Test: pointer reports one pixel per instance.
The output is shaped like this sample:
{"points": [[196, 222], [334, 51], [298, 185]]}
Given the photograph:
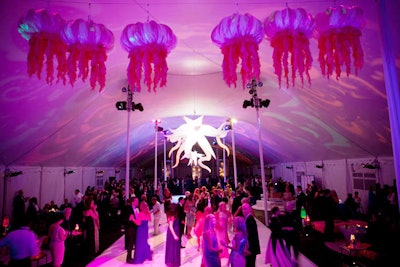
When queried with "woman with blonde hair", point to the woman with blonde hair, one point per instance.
{"points": [[211, 249], [237, 257], [224, 222], [143, 251]]}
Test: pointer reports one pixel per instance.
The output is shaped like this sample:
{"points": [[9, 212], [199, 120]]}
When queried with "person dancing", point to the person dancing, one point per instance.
{"points": [[277, 253], [211, 249], [240, 244], [130, 227]]}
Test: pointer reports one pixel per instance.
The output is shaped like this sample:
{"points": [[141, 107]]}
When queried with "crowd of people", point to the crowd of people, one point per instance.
{"points": [[323, 204], [219, 215]]}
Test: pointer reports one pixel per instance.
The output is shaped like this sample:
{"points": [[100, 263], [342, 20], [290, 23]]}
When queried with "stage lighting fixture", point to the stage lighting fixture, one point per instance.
{"points": [[125, 105], [227, 127], [255, 101], [14, 174], [121, 105], [248, 103], [137, 106], [69, 172], [167, 132], [264, 103], [368, 166]]}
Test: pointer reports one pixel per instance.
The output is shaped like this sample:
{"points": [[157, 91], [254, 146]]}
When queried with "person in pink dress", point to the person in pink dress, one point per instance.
{"points": [[224, 222], [199, 224], [57, 236]]}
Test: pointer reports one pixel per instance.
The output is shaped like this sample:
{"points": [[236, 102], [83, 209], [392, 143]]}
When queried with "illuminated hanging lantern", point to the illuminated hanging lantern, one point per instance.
{"points": [[289, 31], [148, 45], [87, 42], [238, 37], [42, 29], [338, 31]]}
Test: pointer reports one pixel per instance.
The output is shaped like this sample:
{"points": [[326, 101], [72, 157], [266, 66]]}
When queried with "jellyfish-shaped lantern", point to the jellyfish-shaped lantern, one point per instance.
{"points": [[148, 45], [289, 31], [87, 42], [338, 31], [238, 37], [42, 29]]}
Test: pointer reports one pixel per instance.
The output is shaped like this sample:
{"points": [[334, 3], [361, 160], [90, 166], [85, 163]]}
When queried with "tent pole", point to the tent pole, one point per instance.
{"points": [[392, 85], [127, 171], [155, 152], [233, 154]]}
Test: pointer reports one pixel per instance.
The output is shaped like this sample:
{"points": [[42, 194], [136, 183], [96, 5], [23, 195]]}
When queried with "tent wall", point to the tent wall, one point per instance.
{"points": [[51, 183], [337, 174]]}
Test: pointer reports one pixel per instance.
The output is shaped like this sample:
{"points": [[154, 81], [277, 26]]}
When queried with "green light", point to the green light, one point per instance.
{"points": [[303, 213]]}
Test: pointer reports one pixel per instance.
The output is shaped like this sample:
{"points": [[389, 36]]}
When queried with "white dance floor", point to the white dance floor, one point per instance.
{"points": [[115, 255]]}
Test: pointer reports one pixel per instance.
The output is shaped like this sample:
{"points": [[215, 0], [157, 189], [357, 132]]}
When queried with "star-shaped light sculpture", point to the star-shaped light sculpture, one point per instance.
{"points": [[195, 132]]}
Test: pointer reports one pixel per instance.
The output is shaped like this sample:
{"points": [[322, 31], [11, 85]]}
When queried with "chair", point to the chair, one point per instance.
{"points": [[36, 259]]}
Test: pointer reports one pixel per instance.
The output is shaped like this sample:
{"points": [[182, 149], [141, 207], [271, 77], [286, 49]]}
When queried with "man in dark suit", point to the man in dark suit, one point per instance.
{"points": [[182, 217], [130, 213], [252, 231]]}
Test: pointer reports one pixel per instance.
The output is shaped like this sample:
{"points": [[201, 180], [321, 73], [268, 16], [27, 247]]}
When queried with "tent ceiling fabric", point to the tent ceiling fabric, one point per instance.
{"points": [[61, 125]]}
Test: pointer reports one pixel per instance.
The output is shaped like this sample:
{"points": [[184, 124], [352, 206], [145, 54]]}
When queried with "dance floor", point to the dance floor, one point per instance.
{"points": [[115, 255]]}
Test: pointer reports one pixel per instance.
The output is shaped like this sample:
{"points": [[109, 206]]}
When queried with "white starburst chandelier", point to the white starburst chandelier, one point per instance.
{"points": [[194, 134]]}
